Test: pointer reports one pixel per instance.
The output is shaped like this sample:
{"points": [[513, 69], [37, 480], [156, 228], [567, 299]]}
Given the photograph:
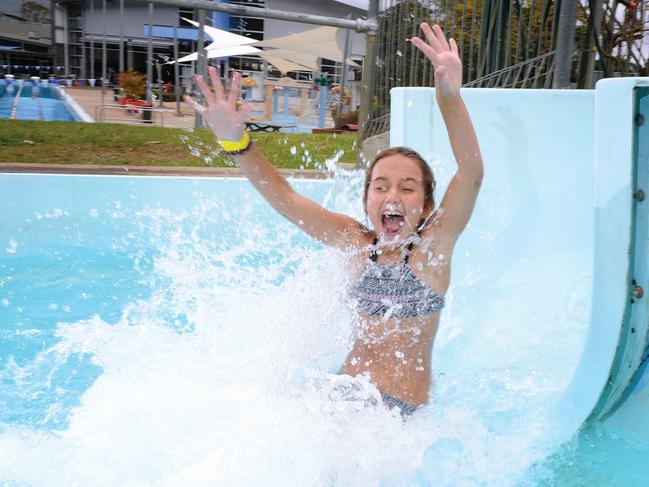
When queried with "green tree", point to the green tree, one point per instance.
{"points": [[35, 12]]}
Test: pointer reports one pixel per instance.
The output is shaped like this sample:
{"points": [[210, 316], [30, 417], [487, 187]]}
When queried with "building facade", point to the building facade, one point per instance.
{"points": [[99, 38], [26, 37]]}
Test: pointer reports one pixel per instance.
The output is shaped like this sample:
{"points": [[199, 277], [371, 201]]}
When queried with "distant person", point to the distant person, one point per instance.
{"points": [[402, 263]]}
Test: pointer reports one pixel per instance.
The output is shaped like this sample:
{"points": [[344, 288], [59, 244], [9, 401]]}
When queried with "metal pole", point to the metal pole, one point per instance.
{"points": [[367, 83], [92, 43], [66, 49], [121, 36], [565, 42], [595, 30], [149, 59], [83, 73], [201, 64], [343, 81], [360, 25], [82, 40], [103, 51], [160, 95], [176, 73]]}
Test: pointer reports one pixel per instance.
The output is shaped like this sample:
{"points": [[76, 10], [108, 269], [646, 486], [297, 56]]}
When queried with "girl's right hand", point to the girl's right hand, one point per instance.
{"points": [[226, 116]]}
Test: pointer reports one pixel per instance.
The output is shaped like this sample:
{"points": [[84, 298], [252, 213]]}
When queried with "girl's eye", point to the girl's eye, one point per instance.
{"points": [[407, 190], [380, 188]]}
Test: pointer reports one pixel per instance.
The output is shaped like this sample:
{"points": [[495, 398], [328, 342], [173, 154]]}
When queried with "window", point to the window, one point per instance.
{"points": [[187, 13], [252, 27]]}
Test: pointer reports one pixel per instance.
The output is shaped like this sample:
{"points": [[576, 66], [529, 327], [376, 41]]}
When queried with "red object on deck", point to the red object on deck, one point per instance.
{"points": [[134, 104]]}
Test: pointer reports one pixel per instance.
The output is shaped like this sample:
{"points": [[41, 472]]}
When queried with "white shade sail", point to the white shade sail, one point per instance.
{"points": [[294, 52], [221, 52], [284, 65], [222, 38], [319, 42], [303, 59]]}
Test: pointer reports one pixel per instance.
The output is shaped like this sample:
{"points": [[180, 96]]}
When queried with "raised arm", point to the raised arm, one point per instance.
{"points": [[227, 118], [458, 202]]}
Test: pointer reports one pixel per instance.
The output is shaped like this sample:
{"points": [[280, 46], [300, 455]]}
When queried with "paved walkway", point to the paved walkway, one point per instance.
{"points": [[90, 98]]}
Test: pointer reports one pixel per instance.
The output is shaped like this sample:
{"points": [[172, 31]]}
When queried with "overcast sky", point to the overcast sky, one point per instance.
{"points": [[355, 3]]}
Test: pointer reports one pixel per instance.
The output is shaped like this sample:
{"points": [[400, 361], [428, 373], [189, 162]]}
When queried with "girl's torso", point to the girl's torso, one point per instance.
{"points": [[398, 299]]}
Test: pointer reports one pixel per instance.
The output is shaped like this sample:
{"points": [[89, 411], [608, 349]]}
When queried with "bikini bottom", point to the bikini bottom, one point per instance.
{"points": [[391, 402]]}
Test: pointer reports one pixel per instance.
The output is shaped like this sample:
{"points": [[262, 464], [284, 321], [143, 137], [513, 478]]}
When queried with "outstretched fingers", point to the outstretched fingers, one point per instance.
{"points": [[245, 110], [454, 48], [205, 90], [423, 47], [216, 83], [235, 87], [194, 104], [441, 38], [431, 37]]}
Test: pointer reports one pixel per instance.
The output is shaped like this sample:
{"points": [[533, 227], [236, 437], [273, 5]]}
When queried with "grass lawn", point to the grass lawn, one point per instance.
{"points": [[93, 143]]}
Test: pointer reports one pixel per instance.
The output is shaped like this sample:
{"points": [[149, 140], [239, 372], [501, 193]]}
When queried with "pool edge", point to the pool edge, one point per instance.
{"points": [[124, 170]]}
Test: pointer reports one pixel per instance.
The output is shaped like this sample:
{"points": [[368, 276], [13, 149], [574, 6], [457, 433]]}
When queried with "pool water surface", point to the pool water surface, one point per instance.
{"points": [[176, 331]]}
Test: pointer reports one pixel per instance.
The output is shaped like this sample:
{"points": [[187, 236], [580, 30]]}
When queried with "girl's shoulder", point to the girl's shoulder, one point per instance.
{"points": [[430, 261]]}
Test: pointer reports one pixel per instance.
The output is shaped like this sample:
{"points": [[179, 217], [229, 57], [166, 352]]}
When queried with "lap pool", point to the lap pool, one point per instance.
{"points": [[175, 331], [27, 101]]}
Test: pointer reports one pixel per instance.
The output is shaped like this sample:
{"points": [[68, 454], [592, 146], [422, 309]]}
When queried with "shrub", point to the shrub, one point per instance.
{"points": [[133, 84]]}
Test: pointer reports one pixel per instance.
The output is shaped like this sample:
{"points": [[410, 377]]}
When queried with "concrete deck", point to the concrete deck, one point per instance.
{"points": [[124, 170], [90, 98]]}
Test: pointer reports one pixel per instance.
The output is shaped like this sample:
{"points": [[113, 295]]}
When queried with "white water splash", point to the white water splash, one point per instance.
{"points": [[226, 374]]}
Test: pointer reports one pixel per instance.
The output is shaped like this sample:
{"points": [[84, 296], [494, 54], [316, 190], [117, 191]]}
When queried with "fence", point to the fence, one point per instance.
{"points": [[509, 44], [131, 115]]}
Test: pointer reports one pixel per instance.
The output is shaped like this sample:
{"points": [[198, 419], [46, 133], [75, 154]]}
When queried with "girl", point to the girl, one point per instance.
{"points": [[403, 261]]}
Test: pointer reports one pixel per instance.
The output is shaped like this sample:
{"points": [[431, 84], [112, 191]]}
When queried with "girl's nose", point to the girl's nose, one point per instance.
{"points": [[393, 195]]}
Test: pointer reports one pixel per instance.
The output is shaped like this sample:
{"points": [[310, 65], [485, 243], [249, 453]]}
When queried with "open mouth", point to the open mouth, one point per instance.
{"points": [[392, 222]]}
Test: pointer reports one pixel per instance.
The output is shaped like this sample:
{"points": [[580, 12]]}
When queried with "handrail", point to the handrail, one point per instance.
{"points": [[529, 64], [101, 108]]}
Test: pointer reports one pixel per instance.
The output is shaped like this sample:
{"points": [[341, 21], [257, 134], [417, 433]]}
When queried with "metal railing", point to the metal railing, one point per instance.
{"points": [[533, 73], [143, 115], [510, 44]]}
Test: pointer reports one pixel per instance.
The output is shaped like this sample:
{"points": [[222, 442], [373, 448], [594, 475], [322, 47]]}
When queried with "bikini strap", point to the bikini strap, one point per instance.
{"points": [[408, 250], [374, 257]]}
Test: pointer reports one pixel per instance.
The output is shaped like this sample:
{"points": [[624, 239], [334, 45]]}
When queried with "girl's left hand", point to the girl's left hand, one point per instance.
{"points": [[445, 58]]}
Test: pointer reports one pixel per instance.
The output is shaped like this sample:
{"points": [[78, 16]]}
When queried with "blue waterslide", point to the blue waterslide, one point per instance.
{"points": [[565, 189]]}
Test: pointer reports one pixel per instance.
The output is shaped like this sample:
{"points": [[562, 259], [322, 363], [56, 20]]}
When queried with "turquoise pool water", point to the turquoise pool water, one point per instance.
{"points": [[160, 331], [36, 102]]}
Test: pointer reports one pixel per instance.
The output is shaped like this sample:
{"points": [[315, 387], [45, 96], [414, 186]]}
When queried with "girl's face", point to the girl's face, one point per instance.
{"points": [[395, 197]]}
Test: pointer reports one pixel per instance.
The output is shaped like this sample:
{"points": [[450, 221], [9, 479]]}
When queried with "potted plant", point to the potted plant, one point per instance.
{"points": [[322, 81], [133, 85]]}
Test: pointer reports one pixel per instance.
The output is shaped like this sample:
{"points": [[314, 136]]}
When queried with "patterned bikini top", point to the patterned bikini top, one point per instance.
{"points": [[392, 290]]}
